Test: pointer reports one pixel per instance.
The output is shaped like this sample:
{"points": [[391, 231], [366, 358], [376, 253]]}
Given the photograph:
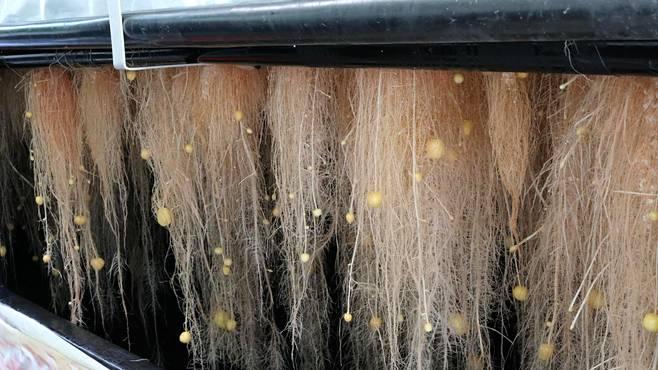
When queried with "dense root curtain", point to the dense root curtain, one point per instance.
{"points": [[61, 184], [300, 111], [592, 276], [420, 264], [199, 131]]}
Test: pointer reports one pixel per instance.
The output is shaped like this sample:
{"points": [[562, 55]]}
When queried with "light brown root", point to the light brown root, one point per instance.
{"points": [[423, 194], [303, 140]]}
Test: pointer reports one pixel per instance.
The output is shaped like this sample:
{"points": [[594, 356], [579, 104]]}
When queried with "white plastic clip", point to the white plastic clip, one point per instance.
{"points": [[118, 43]]}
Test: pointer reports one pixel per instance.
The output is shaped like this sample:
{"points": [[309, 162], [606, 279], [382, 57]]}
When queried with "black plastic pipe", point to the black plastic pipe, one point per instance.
{"points": [[587, 36], [349, 22], [70, 34]]}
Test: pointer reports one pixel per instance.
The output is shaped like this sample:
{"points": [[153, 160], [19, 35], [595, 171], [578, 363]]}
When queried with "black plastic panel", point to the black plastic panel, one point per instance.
{"points": [[582, 57], [551, 57], [104, 352], [349, 22]]}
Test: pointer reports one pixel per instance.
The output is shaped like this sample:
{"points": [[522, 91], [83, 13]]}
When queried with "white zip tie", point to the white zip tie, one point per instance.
{"points": [[119, 45]]}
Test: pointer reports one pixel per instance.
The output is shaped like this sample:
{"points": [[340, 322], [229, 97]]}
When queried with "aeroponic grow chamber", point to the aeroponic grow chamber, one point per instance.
{"points": [[329, 184]]}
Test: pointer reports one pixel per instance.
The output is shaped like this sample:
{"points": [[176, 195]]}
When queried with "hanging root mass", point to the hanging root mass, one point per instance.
{"points": [[322, 218]]}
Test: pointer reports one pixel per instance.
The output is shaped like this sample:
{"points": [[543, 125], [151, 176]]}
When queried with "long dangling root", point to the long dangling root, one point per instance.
{"points": [[101, 111], [596, 252], [510, 129], [300, 117], [236, 224], [419, 272], [203, 152], [164, 131], [62, 182]]}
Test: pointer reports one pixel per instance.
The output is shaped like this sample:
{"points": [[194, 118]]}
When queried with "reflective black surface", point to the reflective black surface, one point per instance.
{"points": [[348, 22], [639, 58], [582, 57], [106, 353], [586, 36], [70, 34], [80, 57]]}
